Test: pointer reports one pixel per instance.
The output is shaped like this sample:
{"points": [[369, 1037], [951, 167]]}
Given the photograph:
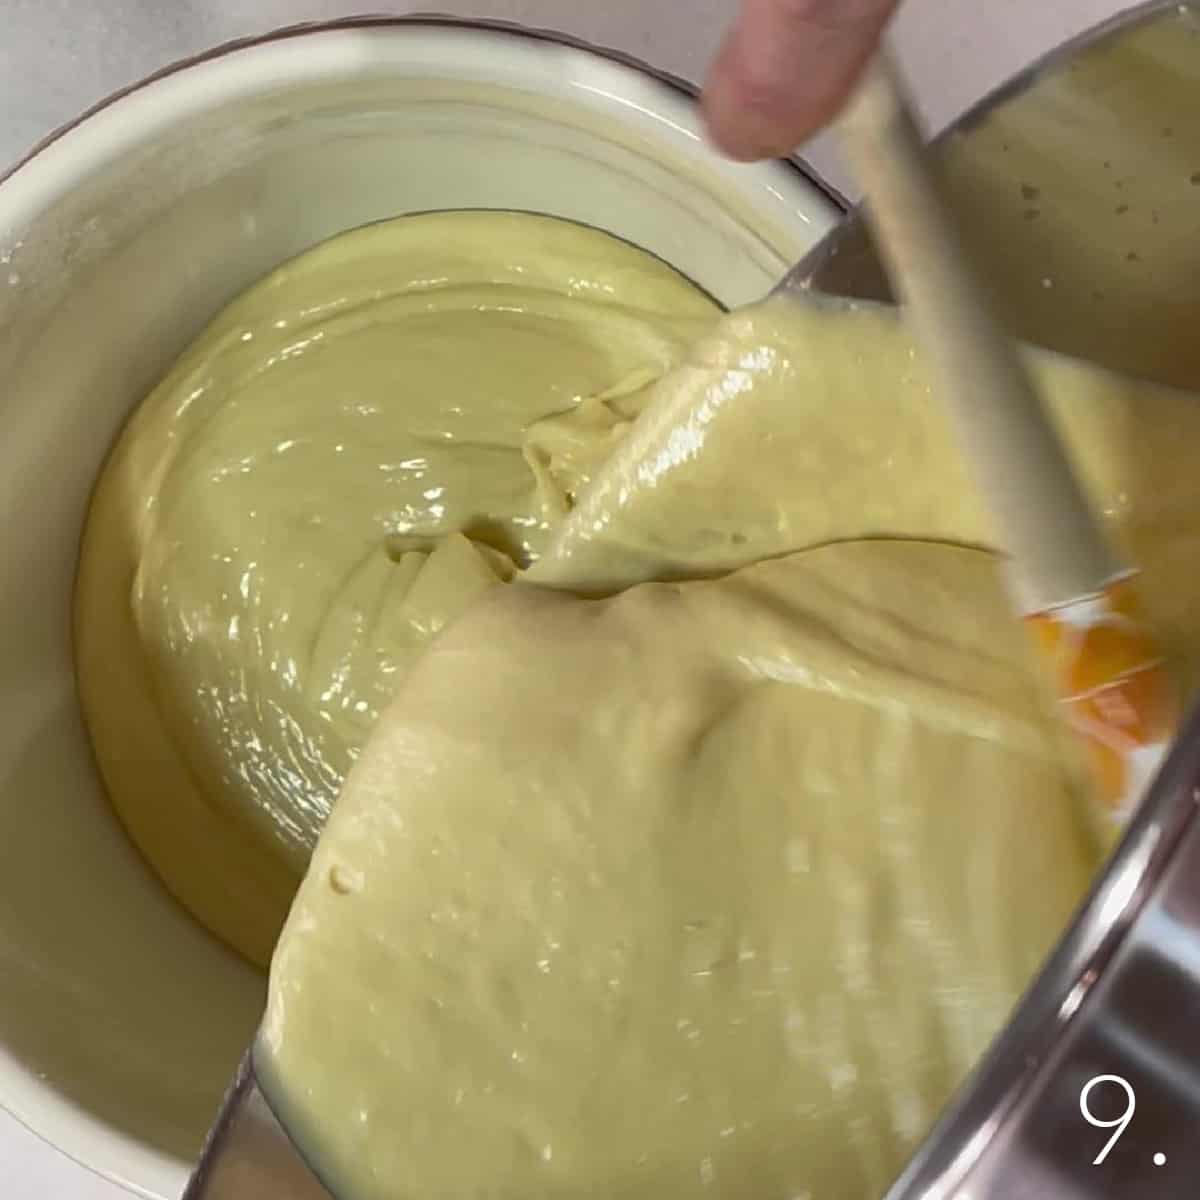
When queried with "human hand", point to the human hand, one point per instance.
{"points": [[786, 70]]}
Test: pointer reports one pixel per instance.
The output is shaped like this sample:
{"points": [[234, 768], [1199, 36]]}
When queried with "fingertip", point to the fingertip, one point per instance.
{"points": [[739, 123], [786, 70], [736, 136]]}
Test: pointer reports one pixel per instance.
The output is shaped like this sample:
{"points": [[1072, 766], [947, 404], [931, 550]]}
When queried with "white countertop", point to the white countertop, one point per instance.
{"points": [[57, 57]]}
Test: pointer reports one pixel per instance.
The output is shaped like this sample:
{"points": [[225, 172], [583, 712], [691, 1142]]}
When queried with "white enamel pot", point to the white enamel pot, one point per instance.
{"points": [[120, 1019]]}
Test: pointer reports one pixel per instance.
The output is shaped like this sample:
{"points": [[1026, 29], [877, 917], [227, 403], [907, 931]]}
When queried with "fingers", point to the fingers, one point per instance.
{"points": [[786, 69]]}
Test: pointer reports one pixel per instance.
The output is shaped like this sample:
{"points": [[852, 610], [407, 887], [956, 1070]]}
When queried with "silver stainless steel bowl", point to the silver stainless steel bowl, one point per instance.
{"points": [[1079, 188]]}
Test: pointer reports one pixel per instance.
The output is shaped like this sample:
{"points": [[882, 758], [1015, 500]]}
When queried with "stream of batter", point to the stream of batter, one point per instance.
{"points": [[701, 813]]}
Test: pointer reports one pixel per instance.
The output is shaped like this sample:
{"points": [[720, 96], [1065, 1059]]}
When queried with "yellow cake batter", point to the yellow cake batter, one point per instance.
{"points": [[710, 887], [734, 923], [266, 549]]}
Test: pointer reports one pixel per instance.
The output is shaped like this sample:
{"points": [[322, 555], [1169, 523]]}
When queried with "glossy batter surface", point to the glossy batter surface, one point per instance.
{"points": [[339, 465], [793, 425]]}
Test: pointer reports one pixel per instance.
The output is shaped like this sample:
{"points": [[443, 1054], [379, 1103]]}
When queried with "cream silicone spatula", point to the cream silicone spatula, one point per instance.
{"points": [[1076, 596]]}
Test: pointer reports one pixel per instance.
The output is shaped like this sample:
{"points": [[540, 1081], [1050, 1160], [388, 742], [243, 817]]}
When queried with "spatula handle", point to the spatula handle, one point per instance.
{"points": [[1069, 585]]}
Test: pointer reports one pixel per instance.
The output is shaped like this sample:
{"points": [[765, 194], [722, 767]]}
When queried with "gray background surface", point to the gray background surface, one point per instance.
{"points": [[57, 57]]}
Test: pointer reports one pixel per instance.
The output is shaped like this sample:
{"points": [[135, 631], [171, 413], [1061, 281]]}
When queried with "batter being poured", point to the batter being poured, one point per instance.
{"points": [[715, 885]]}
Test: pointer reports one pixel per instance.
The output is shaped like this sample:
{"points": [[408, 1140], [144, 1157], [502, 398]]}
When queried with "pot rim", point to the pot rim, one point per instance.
{"points": [[370, 21]]}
